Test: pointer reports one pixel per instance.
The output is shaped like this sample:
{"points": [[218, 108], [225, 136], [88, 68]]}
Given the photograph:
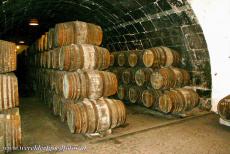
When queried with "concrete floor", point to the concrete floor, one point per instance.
{"points": [[143, 133]]}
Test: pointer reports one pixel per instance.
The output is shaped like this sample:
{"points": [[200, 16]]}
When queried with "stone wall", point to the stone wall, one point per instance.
{"points": [[168, 23]]}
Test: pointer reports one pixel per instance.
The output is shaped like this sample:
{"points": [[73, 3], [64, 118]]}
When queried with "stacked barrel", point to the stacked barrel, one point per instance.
{"points": [[10, 125], [224, 108], [151, 78], [69, 70]]}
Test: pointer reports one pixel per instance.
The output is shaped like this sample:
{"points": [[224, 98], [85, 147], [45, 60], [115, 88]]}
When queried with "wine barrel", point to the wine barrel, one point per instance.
{"points": [[150, 97], [135, 94], [8, 57], [110, 83], [169, 77], [122, 58], [103, 58], [55, 59], [178, 100], [128, 75], [8, 91], [123, 92], [49, 59], [160, 56], [45, 42], [42, 43], [10, 130], [113, 59], [89, 84], [135, 58], [224, 108], [117, 71], [83, 56], [142, 76], [91, 116], [65, 104], [51, 38], [77, 32], [58, 82], [172, 57]]}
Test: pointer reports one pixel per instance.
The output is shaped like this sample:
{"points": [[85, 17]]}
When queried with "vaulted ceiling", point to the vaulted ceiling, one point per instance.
{"points": [[15, 14]]}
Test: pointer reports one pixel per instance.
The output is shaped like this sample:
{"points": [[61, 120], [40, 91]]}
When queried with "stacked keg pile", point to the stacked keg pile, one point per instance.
{"points": [[224, 108], [10, 125], [67, 67], [151, 78]]}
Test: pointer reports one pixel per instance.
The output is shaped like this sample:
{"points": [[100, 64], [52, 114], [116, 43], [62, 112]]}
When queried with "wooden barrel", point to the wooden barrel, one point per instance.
{"points": [[102, 58], [178, 100], [8, 91], [48, 60], [135, 58], [142, 76], [83, 56], [10, 130], [45, 42], [161, 56], [89, 84], [118, 72], [58, 82], [42, 43], [169, 77], [7, 57], [149, 58], [135, 94], [113, 59], [91, 116], [87, 33], [51, 38], [55, 59], [121, 58], [64, 105], [77, 32], [150, 97], [64, 34], [110, 83], [122, 92], [224, 108], [128, 75]]}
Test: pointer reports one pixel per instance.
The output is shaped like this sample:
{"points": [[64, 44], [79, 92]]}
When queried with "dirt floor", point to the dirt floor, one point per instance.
{"points": [[144, 132]]}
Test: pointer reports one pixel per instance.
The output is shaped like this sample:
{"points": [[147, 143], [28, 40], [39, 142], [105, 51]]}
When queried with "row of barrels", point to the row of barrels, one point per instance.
{"points": [[67, 33], [173, 101], [73, 57], [151, 58], [138, 95], [169, 77], [223, 108], [178, 100], [90, 116], [163, 78], [87, 115], [78, 85], [8, 56], [8, 91], [10, 130]]}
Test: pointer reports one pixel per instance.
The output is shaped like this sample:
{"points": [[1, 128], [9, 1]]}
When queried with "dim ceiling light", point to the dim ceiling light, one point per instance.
{"points": [[21, 42], [33, 22]]}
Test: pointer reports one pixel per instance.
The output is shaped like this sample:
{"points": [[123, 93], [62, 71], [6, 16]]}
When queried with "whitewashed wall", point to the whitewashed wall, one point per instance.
{"points": [[214, 18]]}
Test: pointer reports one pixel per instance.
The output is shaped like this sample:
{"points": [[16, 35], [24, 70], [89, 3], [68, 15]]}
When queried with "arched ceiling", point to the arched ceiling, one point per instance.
{"points": [[127, 25], [15, 14]]}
